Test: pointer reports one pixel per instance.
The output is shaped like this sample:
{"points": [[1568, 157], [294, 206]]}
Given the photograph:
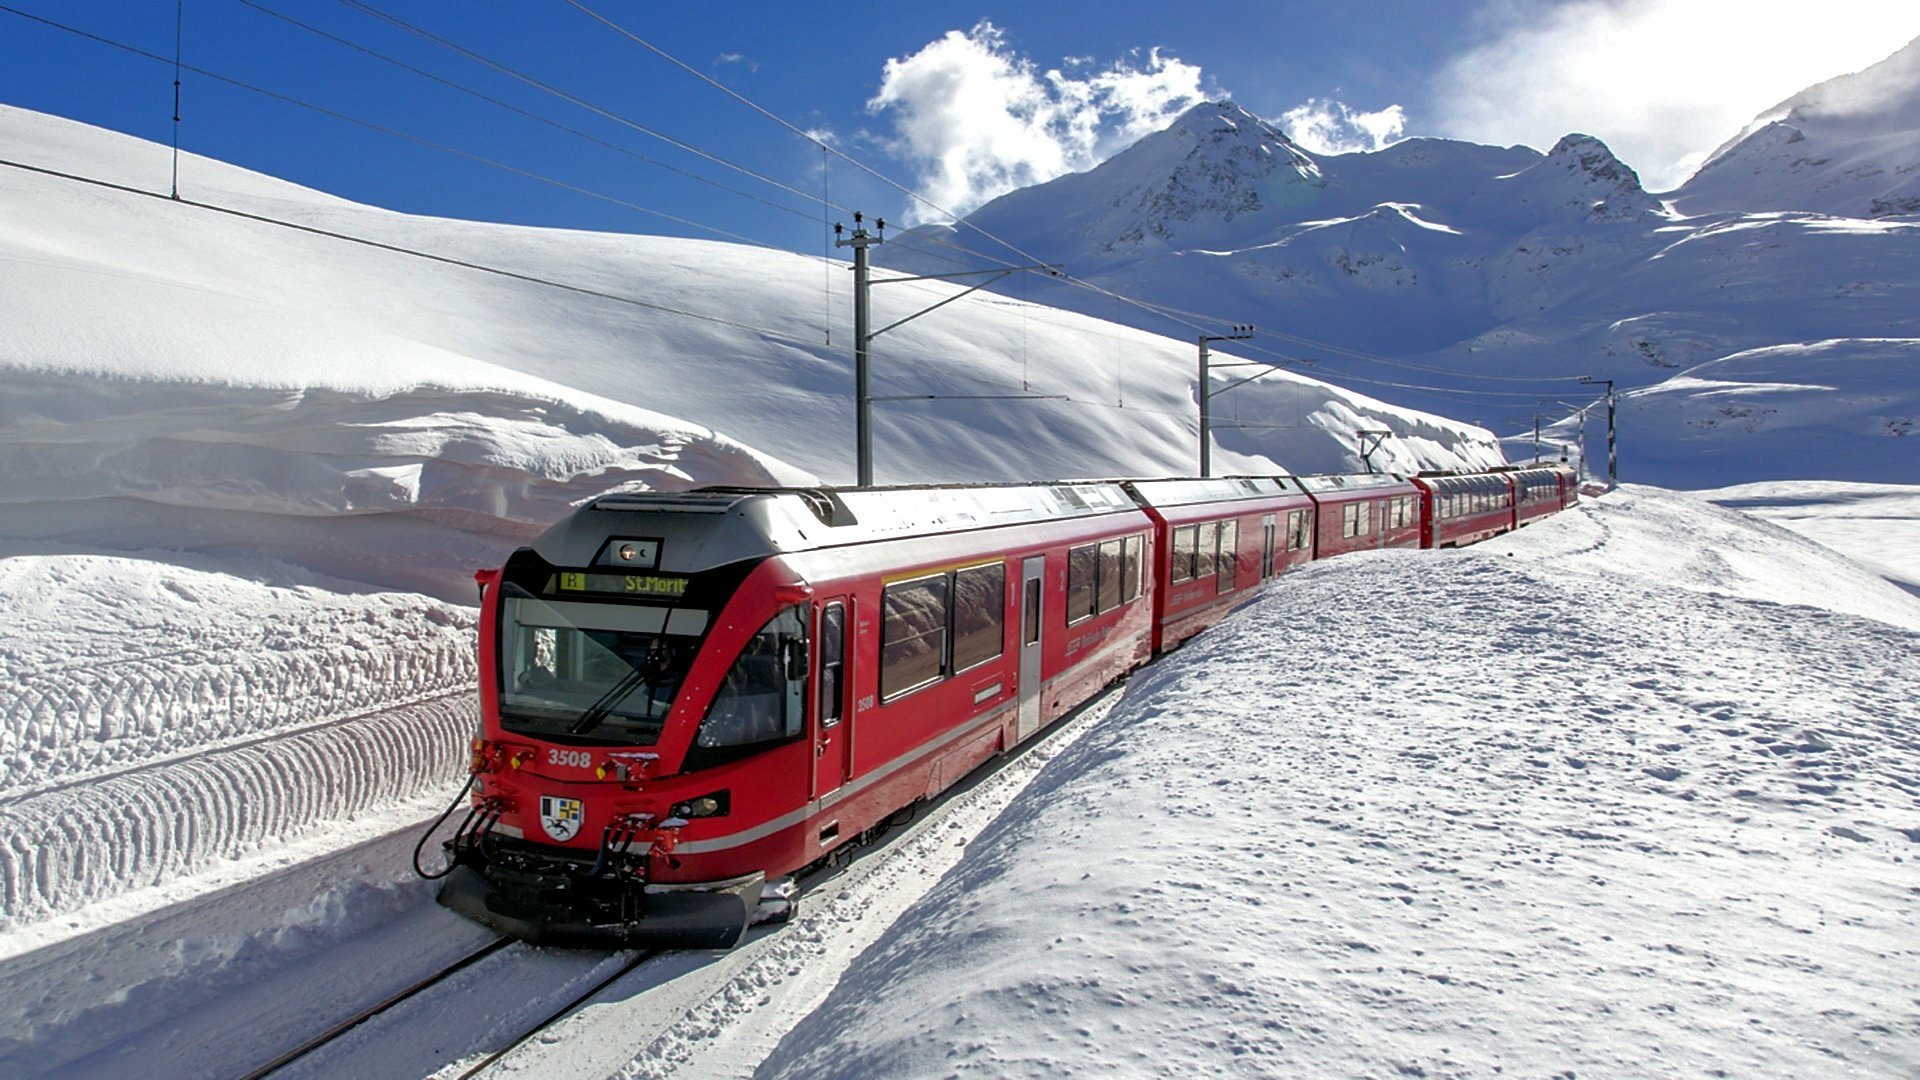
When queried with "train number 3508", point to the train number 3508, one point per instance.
{"points": [[577, 758]]}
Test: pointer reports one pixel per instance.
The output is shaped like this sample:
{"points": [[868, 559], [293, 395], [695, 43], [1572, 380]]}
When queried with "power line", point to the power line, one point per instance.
{"points": [[372, 126], [1162, 311], [399, 249], [1166, 312], [576, 100], [518, 111]]}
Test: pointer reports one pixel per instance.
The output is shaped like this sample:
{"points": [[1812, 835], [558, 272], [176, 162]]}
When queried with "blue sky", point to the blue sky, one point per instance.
{"points": [[957, 101]]}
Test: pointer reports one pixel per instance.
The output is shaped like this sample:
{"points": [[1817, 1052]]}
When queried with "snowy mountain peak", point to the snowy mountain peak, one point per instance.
{"points": [[1581, 173], [1887, 91], [1849, 147], [1215, 164]]}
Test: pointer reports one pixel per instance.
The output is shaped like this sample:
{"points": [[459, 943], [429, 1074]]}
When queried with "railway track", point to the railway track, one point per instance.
{"points": [[822, 877], [427, 984], [560, 1013], [370, 1012]]}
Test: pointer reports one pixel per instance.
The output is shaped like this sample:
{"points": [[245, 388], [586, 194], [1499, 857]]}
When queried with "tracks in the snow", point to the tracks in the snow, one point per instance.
{"points": [[427, 984], [561, 1013], [372, 1011]]}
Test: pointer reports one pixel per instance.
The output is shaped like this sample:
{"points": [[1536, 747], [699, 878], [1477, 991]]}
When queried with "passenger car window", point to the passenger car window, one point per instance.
{"points": [[913, 634]]}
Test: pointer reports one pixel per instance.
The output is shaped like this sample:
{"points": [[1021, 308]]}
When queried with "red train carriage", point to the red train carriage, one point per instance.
{"points": [[1542, 491], [1362, 511], [1464, 508], [685, 696], [1219, 539]]}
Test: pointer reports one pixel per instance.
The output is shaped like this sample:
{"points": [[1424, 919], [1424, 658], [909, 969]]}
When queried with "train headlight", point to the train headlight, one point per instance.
{"points": [[715, 804], [628, 552]]}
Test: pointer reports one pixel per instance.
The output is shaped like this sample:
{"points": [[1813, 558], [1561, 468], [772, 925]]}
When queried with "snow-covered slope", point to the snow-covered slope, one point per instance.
{"points": [[1484, 281], [1629, 792], [1810, 411], [1849, 147]]}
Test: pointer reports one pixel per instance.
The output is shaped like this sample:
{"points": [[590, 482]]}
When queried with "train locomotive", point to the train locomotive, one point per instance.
{"points": [[689, 698]]}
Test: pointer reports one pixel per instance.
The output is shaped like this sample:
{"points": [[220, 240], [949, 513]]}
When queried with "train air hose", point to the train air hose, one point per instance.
{"points": [[435, 827]]}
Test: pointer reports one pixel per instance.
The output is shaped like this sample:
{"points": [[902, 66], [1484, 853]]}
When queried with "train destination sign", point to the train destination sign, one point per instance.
{"points": [[659, 586]]}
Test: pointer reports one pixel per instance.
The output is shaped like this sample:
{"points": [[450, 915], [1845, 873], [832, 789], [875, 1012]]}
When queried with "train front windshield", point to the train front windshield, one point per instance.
{"points": [[608, 673]]}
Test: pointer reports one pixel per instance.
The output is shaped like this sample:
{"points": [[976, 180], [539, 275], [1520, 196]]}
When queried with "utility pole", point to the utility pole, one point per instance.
{"points": [[1536, 437], [1241, 332], [860, 241], [1613, 454], [863, 333]]}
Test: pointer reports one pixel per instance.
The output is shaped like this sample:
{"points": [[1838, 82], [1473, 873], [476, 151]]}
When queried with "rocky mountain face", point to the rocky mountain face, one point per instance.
{"points": [[1482, 282]]}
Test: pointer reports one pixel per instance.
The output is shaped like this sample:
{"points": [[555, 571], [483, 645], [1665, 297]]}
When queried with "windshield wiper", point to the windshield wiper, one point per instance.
{"points": [[598, 711]]}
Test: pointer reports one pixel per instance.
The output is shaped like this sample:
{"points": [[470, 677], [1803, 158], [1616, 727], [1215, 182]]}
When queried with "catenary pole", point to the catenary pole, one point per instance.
{"points": [[860, 241]]}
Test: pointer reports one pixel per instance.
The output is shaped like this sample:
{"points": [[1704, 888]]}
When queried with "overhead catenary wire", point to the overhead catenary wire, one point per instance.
{"points": [[396, 133], [517, 110], [400, 249], [575, 99], [1161, 311]]}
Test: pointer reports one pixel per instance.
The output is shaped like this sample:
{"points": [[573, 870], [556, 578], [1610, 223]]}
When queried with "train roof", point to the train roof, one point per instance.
{"points": [[697, 530], [1191, 491], [1329, 485]]}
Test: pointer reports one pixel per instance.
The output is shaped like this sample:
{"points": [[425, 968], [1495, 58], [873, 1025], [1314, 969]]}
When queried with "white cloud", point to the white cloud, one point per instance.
{"points": [[1322, 126], [976, 120], [1662, 81]]}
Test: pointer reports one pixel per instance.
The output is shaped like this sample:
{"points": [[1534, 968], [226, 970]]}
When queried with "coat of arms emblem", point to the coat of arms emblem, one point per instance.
{"points": [[561, 817]]}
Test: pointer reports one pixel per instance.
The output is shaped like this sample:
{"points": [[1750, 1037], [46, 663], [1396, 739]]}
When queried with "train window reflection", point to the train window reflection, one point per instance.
{"points": [[913, 634], [762, 697]]}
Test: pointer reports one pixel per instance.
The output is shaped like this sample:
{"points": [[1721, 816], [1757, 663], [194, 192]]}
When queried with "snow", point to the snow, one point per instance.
{"points": [[1608, 796], [1643, 779]]}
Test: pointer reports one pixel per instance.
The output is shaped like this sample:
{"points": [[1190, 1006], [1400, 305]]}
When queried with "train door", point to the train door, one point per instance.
{"points": [[832, 739], [1269, 534], [1033, 574]]}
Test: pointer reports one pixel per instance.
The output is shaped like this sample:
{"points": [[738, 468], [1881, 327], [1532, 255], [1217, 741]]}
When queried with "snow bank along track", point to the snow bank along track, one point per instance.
{"points": [[69, 713], [79, 843]]}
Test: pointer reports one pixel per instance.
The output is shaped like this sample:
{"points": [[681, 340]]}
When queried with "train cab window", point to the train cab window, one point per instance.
{"points": [[913, 634], [1083, 574], [1207, 550], [979, 615], [609, 672], [1112, 560], [1228, 564], [1130, 567], [1186, 542], [762, 699], [833, 662]]}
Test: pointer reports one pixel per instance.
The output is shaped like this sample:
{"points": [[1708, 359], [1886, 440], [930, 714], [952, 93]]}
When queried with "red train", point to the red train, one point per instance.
{"points": [[687, 698]]}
